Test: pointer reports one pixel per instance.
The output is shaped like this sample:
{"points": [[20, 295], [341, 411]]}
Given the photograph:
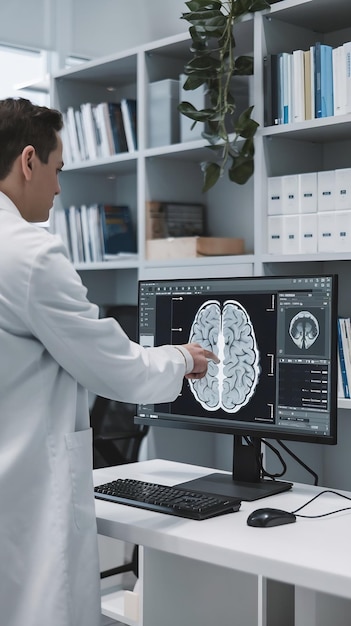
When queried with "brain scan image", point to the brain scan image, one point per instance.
{"points": [[228, 331], [304, 330]]}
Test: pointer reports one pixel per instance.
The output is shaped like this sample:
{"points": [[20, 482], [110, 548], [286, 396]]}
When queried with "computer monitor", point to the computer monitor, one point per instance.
{"points": [[276, 337]]}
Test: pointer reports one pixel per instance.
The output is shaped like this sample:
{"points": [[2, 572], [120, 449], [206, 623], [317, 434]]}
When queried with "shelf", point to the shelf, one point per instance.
{"points": [[322, 130], [344, 403], [125, 262], [123, 163], [296, 258], [112, 605], [321, 16]]}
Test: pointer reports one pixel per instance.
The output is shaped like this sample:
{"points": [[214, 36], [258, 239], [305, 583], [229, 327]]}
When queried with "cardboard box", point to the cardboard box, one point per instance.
{"points": [[219, 246], [171, 248], [185, 247]]}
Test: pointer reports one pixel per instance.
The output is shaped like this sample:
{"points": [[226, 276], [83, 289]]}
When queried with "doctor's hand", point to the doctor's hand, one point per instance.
{"points": [[200, 358]]}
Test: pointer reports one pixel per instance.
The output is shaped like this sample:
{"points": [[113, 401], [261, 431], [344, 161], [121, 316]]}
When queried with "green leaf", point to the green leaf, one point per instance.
{"points": [[241, 170], [243, 66], [212, 172], [186, 108]]}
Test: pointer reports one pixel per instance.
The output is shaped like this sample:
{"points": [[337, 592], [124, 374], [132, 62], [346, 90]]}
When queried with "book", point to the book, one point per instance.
{"points": [[80, 134], [95, 232], [307, 85], [286, 87], [343, 357], [313, 92], [271, 90], [73, 137], [347, 61], [105, 147], [117, 126], [87, 246], [89, 129], [129, 115], [298, 85], [71, 217], [323, 76], [117, 228]]}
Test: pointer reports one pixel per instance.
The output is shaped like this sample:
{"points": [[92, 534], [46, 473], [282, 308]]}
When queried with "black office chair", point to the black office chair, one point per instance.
{"points": [[116, 438]]}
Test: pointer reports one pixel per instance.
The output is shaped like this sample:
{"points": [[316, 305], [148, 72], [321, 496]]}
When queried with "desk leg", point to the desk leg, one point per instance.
{"points": [[177, 590]]}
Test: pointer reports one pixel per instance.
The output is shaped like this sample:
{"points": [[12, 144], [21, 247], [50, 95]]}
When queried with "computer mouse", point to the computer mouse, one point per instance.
{"points": [[266, 518]]}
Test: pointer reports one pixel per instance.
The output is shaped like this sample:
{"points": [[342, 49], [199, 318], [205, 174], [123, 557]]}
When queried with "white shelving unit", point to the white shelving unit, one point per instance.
{"points": [[172, 172]]}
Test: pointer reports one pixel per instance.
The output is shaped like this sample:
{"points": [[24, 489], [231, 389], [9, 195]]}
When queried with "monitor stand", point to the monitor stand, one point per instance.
{"points": [[246, 482]]}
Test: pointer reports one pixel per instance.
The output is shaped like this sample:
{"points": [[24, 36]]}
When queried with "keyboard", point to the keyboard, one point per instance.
{"points": [[176, 500]]}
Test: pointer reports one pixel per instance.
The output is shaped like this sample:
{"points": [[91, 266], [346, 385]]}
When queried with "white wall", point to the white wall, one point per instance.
{"points": [[88, 28], [109, 26]]}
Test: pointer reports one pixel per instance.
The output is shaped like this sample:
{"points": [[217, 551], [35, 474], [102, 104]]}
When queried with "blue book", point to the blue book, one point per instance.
{"points": [[117, 229], [323, 76], [342, 358]]}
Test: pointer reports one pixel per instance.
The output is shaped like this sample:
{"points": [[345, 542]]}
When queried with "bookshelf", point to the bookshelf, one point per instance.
{"points": [[171, 172]]}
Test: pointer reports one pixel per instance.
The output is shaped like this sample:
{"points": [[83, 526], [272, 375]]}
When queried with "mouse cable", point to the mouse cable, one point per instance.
{"points": [[265, 472], [341, 495], [300, 462]]}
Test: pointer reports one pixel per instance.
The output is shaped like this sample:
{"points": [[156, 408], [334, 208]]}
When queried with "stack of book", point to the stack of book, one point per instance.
{"points": [[344, 357], [307, 84], [98, 232], [99, 130]]}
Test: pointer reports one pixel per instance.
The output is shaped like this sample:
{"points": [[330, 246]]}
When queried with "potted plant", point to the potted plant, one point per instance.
{"points": [[214, 65]]}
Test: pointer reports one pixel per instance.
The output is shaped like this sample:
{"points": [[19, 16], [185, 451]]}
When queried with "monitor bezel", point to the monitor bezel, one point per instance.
{"points": [[214, 425]]}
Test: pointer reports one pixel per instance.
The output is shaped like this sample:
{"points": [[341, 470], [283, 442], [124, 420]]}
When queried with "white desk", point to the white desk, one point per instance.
{"points": [[194, 572]]}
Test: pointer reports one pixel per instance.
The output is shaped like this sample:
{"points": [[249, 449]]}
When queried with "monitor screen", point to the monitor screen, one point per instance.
{"points": [[276, 340]]}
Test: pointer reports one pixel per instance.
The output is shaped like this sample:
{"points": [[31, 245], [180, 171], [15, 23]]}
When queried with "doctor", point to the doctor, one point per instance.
{"points": [[53, 347]]}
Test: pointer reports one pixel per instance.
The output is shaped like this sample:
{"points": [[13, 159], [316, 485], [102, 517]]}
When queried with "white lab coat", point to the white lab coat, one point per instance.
{"points": [[53, 347]]}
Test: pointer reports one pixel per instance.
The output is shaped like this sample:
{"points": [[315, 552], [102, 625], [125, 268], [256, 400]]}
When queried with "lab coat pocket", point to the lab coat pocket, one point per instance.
{"points": [[79, 448]]}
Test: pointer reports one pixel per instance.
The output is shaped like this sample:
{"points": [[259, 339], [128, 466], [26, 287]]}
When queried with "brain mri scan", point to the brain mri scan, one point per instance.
{"points": [[228, 331], [304, 330]]}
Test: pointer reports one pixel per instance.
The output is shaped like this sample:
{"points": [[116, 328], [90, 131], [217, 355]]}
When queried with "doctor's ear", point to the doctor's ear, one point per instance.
{"points": [[27, 159]]}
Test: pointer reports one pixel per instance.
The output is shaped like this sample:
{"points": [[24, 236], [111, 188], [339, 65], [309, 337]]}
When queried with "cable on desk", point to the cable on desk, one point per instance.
{"points": [[341, 495]]}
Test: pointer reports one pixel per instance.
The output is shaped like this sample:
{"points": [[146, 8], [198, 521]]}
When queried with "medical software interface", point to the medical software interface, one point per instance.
{"points": [[272, 337]]}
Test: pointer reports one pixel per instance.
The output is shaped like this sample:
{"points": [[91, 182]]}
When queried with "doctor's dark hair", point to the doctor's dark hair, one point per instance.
{"points": [[25, 124]]}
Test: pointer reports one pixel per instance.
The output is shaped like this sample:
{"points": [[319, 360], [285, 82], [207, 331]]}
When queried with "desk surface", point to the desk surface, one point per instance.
{"points": [[312, 553]]}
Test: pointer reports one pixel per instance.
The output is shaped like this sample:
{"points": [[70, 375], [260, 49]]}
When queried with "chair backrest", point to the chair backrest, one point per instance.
{"points": [[117, 439]]}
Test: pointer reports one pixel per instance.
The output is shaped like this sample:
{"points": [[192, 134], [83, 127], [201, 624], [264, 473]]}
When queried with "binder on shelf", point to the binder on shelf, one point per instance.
{"points": [[308, 233], [129, 116], [326, 190], [307, 192]]}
